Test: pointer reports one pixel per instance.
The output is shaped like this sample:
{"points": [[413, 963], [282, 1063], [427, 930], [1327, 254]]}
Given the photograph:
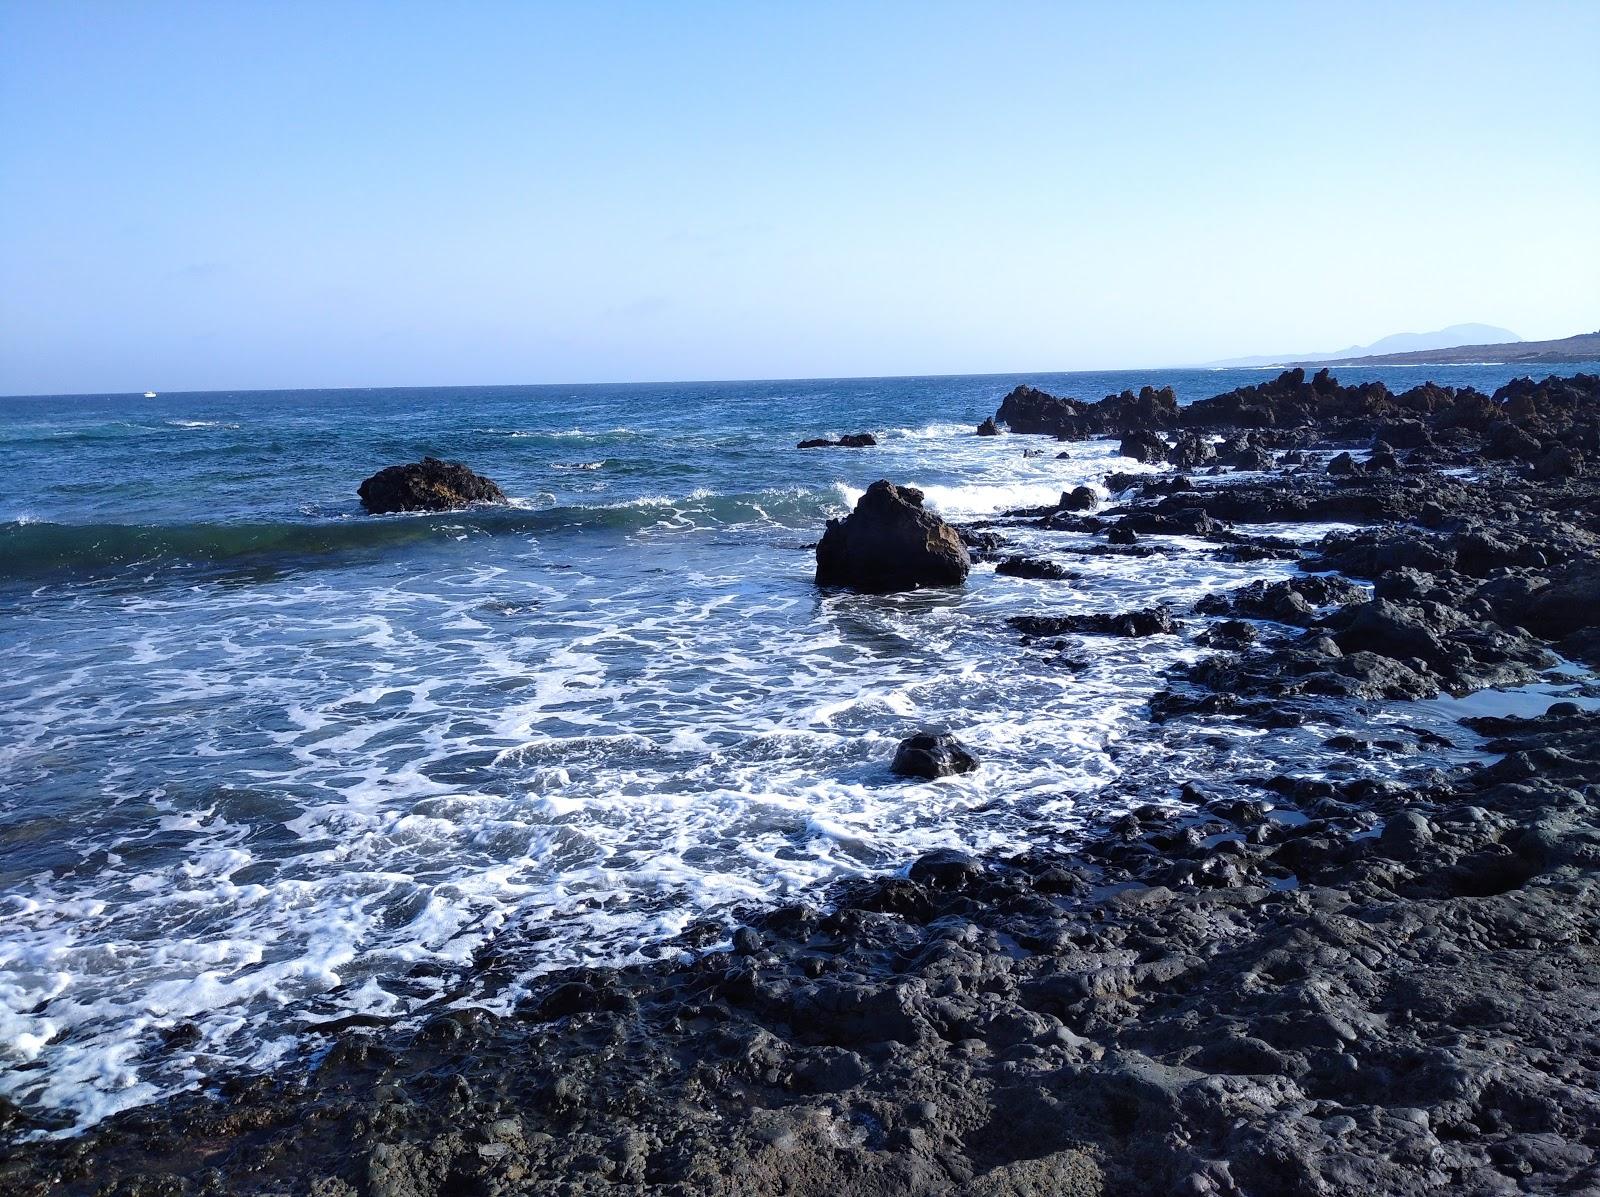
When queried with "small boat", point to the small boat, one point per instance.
{"points": [[149, 394]]}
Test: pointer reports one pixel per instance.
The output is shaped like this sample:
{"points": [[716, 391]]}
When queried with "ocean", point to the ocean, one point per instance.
{"points": [[266, 760]]}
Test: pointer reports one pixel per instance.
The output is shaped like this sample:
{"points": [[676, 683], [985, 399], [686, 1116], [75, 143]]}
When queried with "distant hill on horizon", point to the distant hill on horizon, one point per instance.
{"points": [[1455, 336], [1585, 347]]}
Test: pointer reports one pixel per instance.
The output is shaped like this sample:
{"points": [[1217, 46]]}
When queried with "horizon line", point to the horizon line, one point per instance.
{"points": [[659, 382]]}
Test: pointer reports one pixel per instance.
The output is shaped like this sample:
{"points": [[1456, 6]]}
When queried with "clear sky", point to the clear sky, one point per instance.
{"points": [[277, 194]]}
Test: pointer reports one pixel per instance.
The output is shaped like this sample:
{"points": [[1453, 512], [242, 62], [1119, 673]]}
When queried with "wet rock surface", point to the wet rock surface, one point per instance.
{"points": [[891, 542], [1151, 621], [1017, 566], [850, 440], [426, 485], [1384, 982], [933, 754]]}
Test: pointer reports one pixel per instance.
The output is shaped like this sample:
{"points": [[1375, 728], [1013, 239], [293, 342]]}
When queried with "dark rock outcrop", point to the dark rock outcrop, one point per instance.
{"points": [[1291, 601], [1143, 445], [426, 485], [1151, 621], [1034, 567], [850, 440], [1191, 451], [989, 428], [891, 542], [1029, 410], [1079, 498], [931, 754]]}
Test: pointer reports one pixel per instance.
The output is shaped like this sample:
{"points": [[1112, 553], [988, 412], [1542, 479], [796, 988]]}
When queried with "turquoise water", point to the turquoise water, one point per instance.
{"points": [[265, 759]]}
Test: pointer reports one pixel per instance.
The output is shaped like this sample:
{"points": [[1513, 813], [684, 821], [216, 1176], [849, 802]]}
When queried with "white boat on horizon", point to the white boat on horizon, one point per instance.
{"points": [[149, 394]]}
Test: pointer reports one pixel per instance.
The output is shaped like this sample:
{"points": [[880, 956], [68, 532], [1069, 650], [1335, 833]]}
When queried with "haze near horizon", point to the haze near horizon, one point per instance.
{"points": [[292, 195]]}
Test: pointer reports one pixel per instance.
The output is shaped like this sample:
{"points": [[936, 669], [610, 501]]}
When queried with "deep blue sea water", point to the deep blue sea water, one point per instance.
{"points": [[265, 759]]}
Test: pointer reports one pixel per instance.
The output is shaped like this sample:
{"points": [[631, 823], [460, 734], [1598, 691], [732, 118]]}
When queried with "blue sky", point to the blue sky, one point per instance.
{"points": [[241, 195]]}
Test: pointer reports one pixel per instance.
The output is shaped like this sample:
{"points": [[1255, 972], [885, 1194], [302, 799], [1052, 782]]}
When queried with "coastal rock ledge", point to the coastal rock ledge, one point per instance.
{"points": [[890, 542], [426, 485]]}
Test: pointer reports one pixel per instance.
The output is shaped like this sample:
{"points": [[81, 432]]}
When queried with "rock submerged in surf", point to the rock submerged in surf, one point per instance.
{"points": [[850, 440], [426, 485], [930, 755], [890, 542], [1148, 621]]}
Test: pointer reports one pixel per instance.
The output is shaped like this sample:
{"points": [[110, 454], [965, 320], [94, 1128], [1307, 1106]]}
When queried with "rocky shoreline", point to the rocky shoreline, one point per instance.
{"points": [[1262, 984]]}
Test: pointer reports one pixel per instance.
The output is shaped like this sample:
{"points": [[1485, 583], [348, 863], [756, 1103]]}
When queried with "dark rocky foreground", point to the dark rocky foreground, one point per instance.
{"points": [[1374, 981]]}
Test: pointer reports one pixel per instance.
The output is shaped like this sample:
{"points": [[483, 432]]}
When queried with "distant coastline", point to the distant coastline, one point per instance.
{"points": [[1581, 348]]}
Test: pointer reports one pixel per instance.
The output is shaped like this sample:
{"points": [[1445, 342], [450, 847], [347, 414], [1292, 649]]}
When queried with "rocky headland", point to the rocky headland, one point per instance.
{"points": [[1375, 981]]}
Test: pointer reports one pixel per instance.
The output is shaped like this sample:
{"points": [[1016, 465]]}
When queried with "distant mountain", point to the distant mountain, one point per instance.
{"points": [[1585, 347], [1446, 338]]}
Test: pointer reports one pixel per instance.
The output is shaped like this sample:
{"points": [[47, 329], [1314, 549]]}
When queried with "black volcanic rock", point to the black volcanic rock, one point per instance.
{"points": [[1079, 498], [1151, 621], [989, 428], [1029, 410], [850, 440], [1034, 567], [891, 542], [1152, 407], [1190, 452], [931, 755], [426, 485], [1292, 600], [1569, 603], [1143, 445]]}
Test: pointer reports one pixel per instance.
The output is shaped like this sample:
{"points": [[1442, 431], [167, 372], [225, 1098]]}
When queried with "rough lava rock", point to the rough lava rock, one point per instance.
{"points": [[1151, 621], [931, 754], [426, 485], [1143, 445], [1079, 498], [850, 440], [1021, 566], [891, 542]]}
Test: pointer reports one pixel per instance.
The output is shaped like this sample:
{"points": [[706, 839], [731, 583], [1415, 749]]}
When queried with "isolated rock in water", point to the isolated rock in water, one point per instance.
{"points": [[1081, 498], [426, 485], [850, 440], [1150, 621], [1143, 445], [890, 542], [989, 428], [933, 755], [1034, 567]]}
